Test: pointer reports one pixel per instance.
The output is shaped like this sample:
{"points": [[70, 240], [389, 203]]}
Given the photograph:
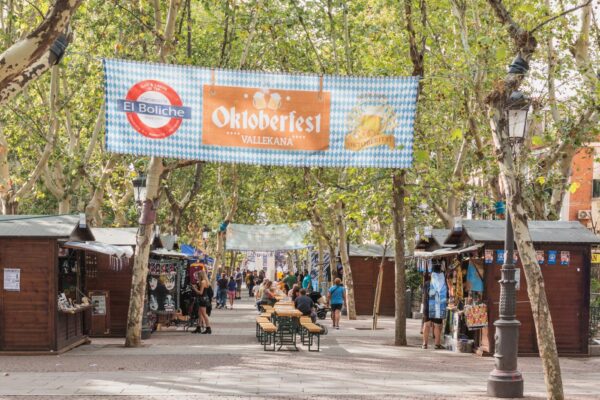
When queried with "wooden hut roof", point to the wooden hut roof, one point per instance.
{"points": [[541, 232], [55, 226], [370, 250], [116, 236]]}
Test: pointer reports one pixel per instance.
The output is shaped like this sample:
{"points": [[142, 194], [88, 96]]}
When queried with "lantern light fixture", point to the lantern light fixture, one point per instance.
{"points": [[139, 188], [517, 111]]}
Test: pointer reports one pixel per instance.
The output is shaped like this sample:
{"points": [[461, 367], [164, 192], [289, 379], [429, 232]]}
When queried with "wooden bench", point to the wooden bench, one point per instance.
{"points": [[268, 332], [260, 320], [309, 331]]}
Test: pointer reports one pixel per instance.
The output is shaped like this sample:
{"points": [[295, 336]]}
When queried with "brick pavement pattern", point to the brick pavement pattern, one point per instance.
{"points": [[354, 363]]}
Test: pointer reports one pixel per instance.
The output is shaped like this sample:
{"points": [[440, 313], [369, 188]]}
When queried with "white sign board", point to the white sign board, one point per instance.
{"points": [[99, 305], [12, 279]]}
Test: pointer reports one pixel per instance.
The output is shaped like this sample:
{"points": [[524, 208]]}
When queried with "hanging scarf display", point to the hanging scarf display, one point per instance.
{"points": [[459, 293], [438, 293]]}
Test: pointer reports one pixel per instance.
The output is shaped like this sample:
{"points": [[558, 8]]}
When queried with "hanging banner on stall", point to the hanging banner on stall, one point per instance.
{"points": [[500, 256], [552, 257], [565, 257], [259, 118], [162, 286], [489, 256], [539, 255]]}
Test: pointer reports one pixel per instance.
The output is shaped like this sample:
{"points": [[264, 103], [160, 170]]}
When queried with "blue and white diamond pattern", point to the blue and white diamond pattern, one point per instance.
{"points": [[186, 143]]}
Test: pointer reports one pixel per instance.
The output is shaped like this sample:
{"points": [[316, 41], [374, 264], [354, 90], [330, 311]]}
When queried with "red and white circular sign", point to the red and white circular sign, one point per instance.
{"points": [[154, 92]]}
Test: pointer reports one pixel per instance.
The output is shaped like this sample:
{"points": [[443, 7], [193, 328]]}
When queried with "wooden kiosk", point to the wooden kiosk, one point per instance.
{"points": [[35, 270], [109, 283], [564, 255], [364, 262]]}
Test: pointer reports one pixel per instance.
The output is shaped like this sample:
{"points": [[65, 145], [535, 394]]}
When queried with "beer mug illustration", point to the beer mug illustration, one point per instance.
{"points": [[370, 122], [259, 100], [274, 102]]}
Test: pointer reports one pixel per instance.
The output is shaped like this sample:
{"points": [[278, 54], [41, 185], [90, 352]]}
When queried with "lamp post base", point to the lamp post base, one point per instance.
{"points": [[505, 384]]}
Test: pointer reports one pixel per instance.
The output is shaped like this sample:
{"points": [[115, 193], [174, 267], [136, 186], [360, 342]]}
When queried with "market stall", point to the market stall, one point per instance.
{"points": [[109, 282], [42, 304], [564, 252], [364, 263]]}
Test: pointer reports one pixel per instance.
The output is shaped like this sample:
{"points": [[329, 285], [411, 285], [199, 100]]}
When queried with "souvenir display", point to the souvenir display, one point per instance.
{"points": [[476, 316], [163, 290]]}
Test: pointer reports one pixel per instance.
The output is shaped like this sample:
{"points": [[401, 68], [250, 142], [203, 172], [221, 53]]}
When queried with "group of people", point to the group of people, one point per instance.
{"points": [[298, 287], [229, 288]]}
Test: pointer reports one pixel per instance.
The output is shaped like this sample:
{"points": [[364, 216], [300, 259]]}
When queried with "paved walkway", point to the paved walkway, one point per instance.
{"points": [[354, 362]]}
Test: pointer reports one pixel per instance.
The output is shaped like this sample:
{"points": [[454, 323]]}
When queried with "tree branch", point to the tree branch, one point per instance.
{"points": [[25, 53], [562, 14]]}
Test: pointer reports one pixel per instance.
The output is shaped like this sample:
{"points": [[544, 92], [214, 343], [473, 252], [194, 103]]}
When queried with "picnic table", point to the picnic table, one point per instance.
{"points": [[281, 323]]}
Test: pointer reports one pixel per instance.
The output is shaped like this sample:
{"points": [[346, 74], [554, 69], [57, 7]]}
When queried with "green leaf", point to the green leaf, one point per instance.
{"points": [[501, 54], [537, 140], [421, 156], [456, 134]]}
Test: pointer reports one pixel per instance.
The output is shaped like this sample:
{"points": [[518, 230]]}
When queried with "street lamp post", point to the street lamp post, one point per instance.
{"points": [[505, 381], [139, 195]]}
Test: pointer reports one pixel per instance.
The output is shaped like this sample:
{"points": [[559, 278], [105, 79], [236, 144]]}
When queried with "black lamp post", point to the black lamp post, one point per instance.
{"points": [[505, 380]]}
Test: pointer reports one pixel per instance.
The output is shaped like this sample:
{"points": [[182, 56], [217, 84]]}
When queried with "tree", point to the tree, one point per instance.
{"points": [[31, 56], [133, 336]]}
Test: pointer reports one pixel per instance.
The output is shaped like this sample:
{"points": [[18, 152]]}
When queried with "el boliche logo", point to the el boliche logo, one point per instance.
{"points": [[154, 109]]}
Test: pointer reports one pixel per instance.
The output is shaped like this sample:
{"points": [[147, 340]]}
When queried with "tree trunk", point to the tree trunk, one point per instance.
{"points": [[378, 288], [64, 205], [140, 265], [333, 272], [219, 257], [320, 266], [139, 277], [348, 282], [398, 194]]}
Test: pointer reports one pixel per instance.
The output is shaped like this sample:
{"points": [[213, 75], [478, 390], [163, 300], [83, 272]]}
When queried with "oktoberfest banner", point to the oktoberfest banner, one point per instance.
{"points": [[259, 118]]}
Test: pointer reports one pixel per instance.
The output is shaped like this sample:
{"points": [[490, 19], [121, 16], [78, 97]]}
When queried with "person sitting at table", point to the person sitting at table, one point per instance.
{"points": [[305, 304], [258, 292], [268, 296], [294, 292]]}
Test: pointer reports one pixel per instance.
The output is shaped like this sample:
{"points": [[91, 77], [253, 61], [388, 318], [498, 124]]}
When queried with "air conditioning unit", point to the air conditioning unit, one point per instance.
{"points": [[584, 214]]}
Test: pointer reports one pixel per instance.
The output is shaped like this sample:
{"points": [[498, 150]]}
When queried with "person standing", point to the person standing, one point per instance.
{"points": [[239, 278], [222, 291], [290, 280], [231, 291], [336, 297], [204, 298], [306, 282], [250, 283], [434, 306]]}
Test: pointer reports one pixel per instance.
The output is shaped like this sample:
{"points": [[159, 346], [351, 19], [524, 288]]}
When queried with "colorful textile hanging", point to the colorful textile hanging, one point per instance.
{"points": [[438, 295]]}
